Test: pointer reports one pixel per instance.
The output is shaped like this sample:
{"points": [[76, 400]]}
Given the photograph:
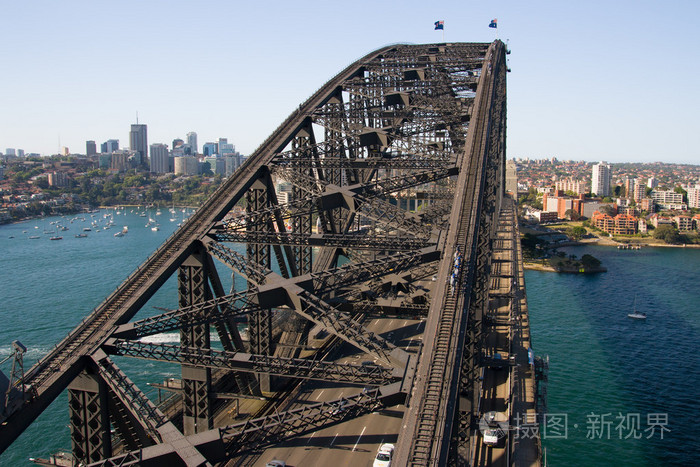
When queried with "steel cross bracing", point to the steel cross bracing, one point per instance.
{"points": [[375, 160], [221, 444], [299, 368]]}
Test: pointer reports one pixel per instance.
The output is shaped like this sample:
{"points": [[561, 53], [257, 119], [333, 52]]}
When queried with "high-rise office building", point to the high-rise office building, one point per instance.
{"points": [[226, 149], [601, 179], [192, 141], [160, 159], [209, 149], [109, 146], [138, 141], [90, 148]]}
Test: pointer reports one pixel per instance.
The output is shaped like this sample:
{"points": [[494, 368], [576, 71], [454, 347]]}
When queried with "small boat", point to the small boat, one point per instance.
{"points": [[155, 228], [56, 238], [82, 235], [119, 234], [34, 237], [87, 229], [636, 314]]}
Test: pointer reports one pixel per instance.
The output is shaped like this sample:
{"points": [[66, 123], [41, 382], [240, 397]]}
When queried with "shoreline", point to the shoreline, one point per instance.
{"points": [[612, 243], [543, 268], [31, 218]]}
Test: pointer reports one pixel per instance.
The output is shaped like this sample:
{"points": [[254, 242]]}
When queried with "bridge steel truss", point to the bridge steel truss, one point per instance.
{"points": [[395, 168]]}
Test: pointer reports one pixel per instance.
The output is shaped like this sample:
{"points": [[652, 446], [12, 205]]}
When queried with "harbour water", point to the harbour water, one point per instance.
{"points": [[605, 368], [625, 391]]}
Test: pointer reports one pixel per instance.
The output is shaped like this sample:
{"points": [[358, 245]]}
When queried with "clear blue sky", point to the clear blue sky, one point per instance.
{"points": [[596, 80]]}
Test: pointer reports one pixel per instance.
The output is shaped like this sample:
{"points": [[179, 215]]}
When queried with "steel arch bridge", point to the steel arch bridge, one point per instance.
{"points": [[395, 172]]}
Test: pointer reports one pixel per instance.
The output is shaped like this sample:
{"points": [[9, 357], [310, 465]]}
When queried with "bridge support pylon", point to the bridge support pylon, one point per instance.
{"points": [[89, 419], [196, 381]]}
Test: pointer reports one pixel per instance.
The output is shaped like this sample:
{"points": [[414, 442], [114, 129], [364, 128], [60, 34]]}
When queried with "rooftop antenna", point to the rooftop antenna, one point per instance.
{"points": [[137, 117]]}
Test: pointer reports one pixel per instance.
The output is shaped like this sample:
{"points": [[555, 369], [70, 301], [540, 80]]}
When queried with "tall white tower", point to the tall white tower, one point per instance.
{"points": [[192, 141], [601, 179]]}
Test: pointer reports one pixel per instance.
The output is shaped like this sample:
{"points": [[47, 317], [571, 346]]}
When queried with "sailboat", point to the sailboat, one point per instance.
{"points": [[636, 314]]}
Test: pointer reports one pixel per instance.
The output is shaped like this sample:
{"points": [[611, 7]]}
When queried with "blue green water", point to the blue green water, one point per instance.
{"points": [[601, 362], [47, 287], [622, 382]]}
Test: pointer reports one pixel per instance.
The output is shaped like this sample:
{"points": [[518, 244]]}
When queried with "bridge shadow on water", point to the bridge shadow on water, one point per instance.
{"points": [[611, 364]]}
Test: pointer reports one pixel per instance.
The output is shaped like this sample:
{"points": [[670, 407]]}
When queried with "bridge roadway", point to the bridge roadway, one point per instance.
{"points": [[354, 441]]}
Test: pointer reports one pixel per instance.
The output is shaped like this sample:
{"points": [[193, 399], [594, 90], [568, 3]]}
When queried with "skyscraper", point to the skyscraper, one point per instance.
{"points": [[138, 141], [601, 179], [109, 146], [160, 158], [192, 141], [209, 149], [90, 148]]}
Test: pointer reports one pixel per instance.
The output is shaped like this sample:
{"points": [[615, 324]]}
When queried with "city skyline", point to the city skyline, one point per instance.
{"points": [[590, 82]]}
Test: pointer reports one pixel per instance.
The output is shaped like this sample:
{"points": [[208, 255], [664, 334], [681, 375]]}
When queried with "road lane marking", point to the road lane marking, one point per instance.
{"points": [[312, 435], [319, 394], [409, 343], [358, 439], [333, 441]]}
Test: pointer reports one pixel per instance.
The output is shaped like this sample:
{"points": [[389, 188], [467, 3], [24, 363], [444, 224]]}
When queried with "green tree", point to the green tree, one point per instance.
{"points": [[590, 262], [572, 214], [668, 234], [680, 190], [607, 209], [577, 232]]}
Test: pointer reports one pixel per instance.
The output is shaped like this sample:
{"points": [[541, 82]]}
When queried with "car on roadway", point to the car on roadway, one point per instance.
{"points": [[276, 463], [384, 455]]}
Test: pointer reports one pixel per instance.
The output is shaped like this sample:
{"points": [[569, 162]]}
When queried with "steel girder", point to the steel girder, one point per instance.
{"points": [[89, 418], [352, 198], [431, 418], [223, 443], [353, 240], [132, 398], [196, 382], [491, 201], [266, 364]]}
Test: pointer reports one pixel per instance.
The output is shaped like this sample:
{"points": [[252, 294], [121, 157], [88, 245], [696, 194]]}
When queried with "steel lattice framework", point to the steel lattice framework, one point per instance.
{"points": [[424, 123]]}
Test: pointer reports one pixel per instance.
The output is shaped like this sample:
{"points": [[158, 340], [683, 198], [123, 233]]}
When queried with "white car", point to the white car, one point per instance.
{"points": [[384, 455]]}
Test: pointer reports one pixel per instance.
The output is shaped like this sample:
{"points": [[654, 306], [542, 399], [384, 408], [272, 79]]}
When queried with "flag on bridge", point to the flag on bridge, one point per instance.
{"points": [[439, 25], [493, 23]]}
